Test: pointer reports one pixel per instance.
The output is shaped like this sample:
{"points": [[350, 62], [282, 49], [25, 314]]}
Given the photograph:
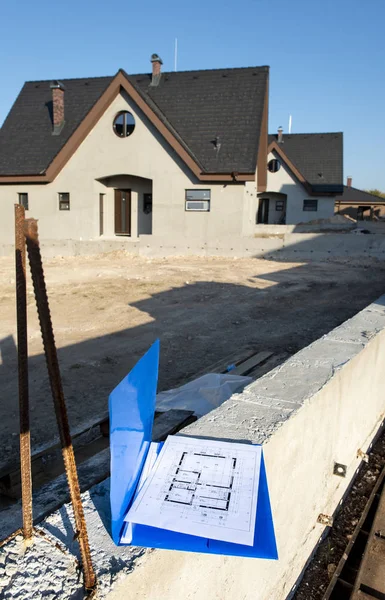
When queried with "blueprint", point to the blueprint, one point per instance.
{"points": [[206, 488]]}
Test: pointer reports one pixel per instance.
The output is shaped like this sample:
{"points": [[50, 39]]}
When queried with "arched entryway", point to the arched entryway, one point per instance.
{"points": [[271, 209], [126, 208]]}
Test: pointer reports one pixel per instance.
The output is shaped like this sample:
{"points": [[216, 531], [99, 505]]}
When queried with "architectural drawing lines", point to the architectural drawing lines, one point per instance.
{"points": [[202, 487]]}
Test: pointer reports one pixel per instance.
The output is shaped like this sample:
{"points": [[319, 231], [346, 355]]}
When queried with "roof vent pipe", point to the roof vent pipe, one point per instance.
{"points": [[156, 69], [280, 135]]}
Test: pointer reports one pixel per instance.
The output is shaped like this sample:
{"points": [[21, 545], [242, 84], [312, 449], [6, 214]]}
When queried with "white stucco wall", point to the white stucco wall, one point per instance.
{"points": [[144, 154], [283, 182]]}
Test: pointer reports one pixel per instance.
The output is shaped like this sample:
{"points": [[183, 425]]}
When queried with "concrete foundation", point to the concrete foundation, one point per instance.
{"points": [[318, 408], [276, 246]]}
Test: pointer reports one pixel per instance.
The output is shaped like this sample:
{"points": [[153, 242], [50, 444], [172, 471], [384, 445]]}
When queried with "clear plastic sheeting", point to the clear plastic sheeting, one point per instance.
{"points": [[203, 394]]}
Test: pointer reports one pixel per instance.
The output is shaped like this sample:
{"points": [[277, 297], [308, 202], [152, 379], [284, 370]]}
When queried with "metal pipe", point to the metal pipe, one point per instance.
{"points": [[22, 357], [35, 261]]}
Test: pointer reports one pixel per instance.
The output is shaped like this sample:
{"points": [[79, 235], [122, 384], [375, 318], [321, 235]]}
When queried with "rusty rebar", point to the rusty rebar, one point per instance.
{"points": [[22, 357], [36, 265]]}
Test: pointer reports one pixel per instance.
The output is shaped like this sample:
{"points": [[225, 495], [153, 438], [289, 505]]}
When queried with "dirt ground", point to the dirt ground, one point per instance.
{"points": [[108, 309]]}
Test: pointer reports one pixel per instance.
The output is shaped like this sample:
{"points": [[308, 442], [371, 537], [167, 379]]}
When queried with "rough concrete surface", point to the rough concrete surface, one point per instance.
{"points": [[49, 568], [337, 410], [317, 389], [108, 309], [264, 405]]}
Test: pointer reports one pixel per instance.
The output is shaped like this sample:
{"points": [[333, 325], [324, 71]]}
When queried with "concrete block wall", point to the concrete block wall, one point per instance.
{"points": [[320, 407]]}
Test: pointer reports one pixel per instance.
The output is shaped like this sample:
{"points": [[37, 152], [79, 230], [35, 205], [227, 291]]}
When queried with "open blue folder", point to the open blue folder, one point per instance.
{"points": [[132, 408]]}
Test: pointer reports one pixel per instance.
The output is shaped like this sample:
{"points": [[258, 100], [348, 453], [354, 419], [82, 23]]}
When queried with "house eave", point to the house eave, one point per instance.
{"points": [[14, 179]]}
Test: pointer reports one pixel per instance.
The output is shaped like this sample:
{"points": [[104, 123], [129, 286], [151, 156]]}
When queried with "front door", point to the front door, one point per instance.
{"points": [[263, 211], [122, 212]]}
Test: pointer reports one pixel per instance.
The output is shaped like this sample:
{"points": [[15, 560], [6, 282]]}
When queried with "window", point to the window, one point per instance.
{"points": [[64, 201], [198, 200], [274, 165], [279, 205], [23, 200], [124, 124], [311, 205]]}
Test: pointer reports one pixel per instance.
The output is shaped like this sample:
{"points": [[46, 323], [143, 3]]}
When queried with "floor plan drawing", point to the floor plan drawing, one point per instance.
{"points": [[193, 486], [204, 487]]}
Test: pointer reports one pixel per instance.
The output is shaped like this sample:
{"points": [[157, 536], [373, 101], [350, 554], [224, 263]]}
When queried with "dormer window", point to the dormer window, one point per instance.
{"points": [[124, 124]]}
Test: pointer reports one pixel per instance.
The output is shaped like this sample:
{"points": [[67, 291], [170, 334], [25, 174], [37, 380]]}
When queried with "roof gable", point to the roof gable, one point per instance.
{"points": [[27, 145], [218, 113], [318, 157], [194, 109]]}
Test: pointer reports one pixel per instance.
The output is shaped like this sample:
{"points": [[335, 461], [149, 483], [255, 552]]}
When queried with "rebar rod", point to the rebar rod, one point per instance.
{"points": [[22, 358], [35, 260]]}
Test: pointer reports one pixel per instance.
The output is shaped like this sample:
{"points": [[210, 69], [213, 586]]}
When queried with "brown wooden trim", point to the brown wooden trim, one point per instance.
{"points": [[16, 179], [117, 84], [274, 146], [263, 143], [83, 130], [227, 177], [356, 203]]}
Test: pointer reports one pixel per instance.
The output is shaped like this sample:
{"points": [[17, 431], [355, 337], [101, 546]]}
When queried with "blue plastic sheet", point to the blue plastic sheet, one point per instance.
{"points": [[132, 407]]}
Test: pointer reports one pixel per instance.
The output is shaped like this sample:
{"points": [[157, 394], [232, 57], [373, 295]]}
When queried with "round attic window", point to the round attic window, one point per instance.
{"points": [[274, 165], [124, 124]]}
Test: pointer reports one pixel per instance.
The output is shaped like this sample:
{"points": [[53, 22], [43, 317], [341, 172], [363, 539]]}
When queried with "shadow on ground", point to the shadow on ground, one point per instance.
{"points": [[198, 325]]}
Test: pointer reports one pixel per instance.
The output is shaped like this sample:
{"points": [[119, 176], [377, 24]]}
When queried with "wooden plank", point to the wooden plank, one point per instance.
{"points": [[45, 468], [170, 422], [346, 560], [220, 366], [54, 494], [53, 444], [252, 362], [10, 474], [102, 420], [48, 465], [370, 577], [268, 365]]}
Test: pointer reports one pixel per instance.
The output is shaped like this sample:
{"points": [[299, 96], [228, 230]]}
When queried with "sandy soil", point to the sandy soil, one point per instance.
{"points": [[108, 309]]}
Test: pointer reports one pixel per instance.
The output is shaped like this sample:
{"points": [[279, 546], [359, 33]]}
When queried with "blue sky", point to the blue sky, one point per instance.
{"points": [[327, 58]]}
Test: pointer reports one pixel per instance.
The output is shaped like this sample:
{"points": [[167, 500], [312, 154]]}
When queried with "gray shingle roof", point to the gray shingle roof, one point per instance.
{"points": [[27, 146], [352, 194], [197, 106], [204, 105], [318, 157]]}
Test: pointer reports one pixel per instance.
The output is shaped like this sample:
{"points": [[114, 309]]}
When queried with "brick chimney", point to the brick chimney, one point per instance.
{"points": [[57, 106], [156, 69], [280, 135], [349, 181]]}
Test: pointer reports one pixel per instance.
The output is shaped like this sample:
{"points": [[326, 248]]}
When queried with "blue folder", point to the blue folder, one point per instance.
{"points": [[132, 408]]}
